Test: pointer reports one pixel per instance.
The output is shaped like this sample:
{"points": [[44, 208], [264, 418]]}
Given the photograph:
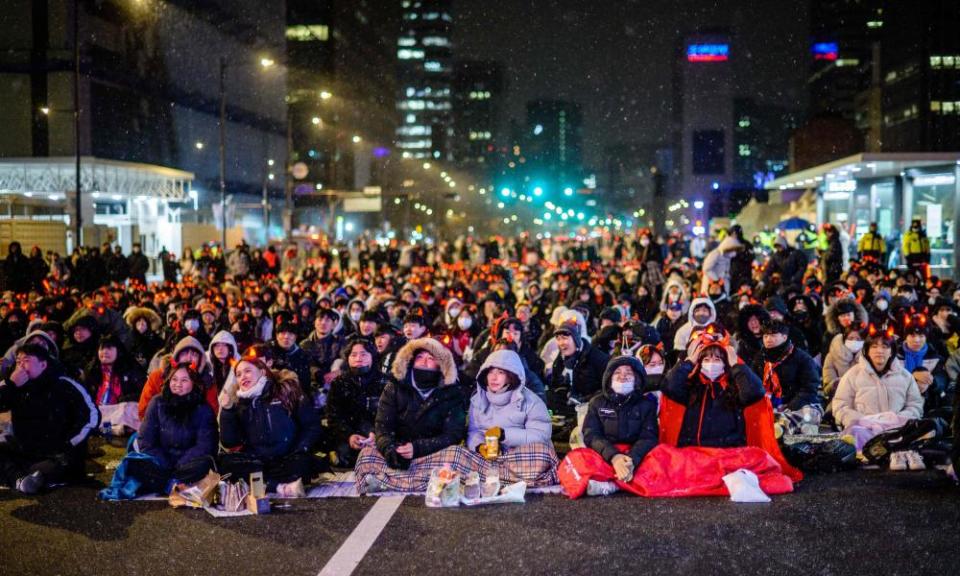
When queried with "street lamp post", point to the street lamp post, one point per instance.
{"points": [[76, 118], [223, 131]]}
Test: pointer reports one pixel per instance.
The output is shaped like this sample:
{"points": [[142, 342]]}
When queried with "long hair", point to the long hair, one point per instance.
{"points": [[183, 406], [284, 385]]}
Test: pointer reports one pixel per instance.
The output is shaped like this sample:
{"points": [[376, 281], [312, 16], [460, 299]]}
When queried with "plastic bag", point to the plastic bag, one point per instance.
{"points": [[197, 495], [443, 490], [744, 486], [512, 494]]}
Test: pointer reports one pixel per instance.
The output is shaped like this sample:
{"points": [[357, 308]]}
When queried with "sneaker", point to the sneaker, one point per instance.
{"points": [[31, 484], [898, 461], [914, 460], [597, 488]]}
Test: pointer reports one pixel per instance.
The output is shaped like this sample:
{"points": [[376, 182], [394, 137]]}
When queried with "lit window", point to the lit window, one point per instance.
{"points": [[308, 33], [744, 149], [935, 61], [431, 16], [847, 62], [435, 41], [948, 61], [407, 54], [432, 66], [948, 107], [411, 118], [744, 123], [934, 106], [406, 41], [875, 24]]}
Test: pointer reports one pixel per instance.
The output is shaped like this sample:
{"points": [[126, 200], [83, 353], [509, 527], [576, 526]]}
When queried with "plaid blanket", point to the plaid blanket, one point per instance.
{"points": [[535, 464]]}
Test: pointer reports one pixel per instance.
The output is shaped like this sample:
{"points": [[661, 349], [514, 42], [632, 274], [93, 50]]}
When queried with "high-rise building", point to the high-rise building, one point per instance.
{"points": [[478, 88], [341, 90], [554, 140], [424, 79], [761, 134], [920, 76], [149, 78], [703, 114]]}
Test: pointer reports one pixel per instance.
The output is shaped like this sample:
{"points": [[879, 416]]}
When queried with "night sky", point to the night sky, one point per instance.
{"points": [[615, 56]]}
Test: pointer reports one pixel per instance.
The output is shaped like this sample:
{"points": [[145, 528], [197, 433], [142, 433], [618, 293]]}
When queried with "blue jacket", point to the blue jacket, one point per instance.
{"points": [[262, 427], [172, 442]]}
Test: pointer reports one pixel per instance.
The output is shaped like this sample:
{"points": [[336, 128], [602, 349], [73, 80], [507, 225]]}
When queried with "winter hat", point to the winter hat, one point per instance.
{"points": [[569, 328], [915, 324], [506, 360], [775, 327], [285, 322]]}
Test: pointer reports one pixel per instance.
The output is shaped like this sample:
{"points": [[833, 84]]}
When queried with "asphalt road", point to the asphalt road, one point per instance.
{"points": [[865, 522]]}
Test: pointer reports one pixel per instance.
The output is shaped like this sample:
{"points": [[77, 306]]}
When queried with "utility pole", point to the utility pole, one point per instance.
{"points": [[223, 132], [76, 118]]}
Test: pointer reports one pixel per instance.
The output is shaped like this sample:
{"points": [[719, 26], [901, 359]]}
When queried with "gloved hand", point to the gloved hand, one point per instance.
{"points": [[228, 396], [623, 466]]}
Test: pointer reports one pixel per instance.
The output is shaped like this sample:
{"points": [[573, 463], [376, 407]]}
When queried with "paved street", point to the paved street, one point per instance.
{"points": [[865, 522]]}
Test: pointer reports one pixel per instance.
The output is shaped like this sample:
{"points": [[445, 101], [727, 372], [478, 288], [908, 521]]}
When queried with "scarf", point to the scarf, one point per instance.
{"points": [[501, 398], [913, 360], [254, 391], [771, 380]]}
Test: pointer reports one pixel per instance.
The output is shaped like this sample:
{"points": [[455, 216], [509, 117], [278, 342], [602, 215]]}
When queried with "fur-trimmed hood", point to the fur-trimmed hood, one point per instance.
{"points": [[859, 315], [135, 313], [404, 359]]}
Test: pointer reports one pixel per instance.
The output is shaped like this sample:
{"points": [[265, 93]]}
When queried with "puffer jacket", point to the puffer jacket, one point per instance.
{"points": [[617, 419], [714, 410], [155, 379], [586, 378], [799, 378], [174, 442], [838, 361], [430, 424], [863, 392], [524, 419], [352, 403], [262, 427]]}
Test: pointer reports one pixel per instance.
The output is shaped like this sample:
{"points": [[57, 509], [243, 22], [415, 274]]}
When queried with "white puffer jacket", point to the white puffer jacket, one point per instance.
{"points": [[862, 392]]}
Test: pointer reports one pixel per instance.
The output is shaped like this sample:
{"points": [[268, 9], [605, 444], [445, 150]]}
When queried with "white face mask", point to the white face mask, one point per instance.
{"points": [[454, 312], [932, 300], [192, 325], [465, 323], [881, 305], [644, 242], [712, 369], [853, 345], [654, 370], [622, 387], [355, 316]]}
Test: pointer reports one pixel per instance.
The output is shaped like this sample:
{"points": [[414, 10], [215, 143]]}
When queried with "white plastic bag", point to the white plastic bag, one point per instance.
{"points": [[744, 486], [443, 490], [512, 494]]}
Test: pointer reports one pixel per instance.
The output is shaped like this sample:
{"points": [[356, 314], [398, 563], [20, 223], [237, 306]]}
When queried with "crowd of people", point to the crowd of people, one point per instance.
{"points": [[646, 368]]}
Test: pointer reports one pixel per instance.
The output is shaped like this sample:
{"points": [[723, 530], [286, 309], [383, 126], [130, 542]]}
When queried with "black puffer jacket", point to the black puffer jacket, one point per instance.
{"points": [[799, 377], [352, 403], [616, 419], [587, 377], [262, 427], [714, 413], [173, 439], [431, 424], [51, 414], [297, 361]]}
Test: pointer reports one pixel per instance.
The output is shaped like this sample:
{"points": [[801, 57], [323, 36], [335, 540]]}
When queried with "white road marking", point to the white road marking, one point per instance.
{"points": [[348, 557]]}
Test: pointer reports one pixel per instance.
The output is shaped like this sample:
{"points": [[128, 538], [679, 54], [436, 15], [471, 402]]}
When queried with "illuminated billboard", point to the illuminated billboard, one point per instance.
{"points": [[825, 51], [708, 52]]}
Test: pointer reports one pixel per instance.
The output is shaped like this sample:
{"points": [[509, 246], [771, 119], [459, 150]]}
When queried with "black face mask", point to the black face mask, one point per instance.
{"points": [[359, 370], [426, 379]]}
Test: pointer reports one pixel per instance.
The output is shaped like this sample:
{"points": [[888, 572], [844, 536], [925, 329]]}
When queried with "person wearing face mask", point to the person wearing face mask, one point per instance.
{"points": [[463, 334], [879, 311], [654, 365], [790, 377], [177, 440], [716, 403], [619, 430], [878, 394], [144, 326], [421, 414], [701, 314], [353, 400], [927, 367], [192, 325], [668, 323], [503, 407], [355, 309], [269, 426], [842, 314], [650, 255], [842, 356]]}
